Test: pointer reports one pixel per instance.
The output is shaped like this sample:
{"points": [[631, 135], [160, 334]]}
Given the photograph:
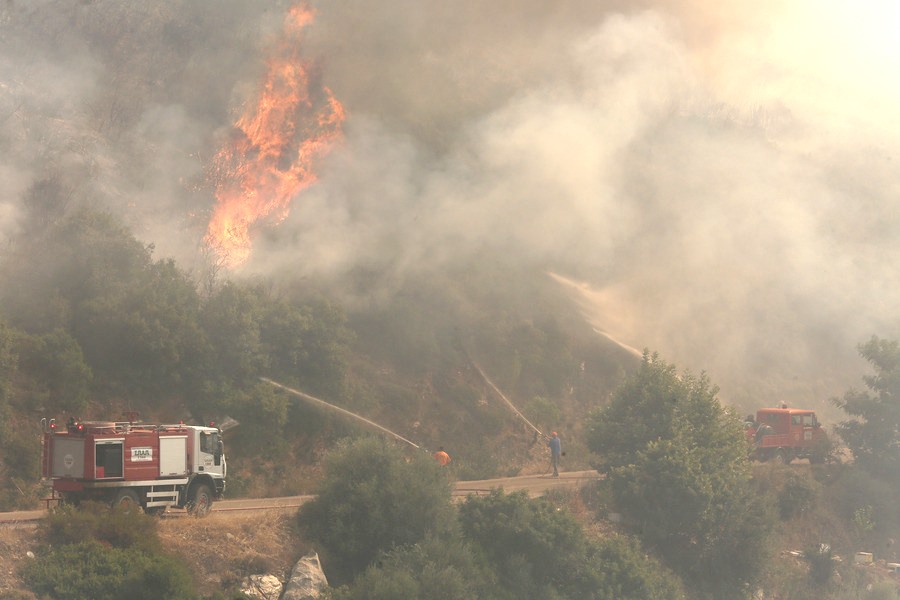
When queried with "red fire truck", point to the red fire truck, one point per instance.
{"points": [[132, 464], [783, 434]]}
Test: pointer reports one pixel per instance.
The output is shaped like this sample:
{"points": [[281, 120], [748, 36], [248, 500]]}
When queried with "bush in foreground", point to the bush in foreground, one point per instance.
{"points": [[98, 552]]}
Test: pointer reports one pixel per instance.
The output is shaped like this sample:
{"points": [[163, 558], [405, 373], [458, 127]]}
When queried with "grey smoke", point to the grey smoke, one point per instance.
{"points": [[716, 181]]}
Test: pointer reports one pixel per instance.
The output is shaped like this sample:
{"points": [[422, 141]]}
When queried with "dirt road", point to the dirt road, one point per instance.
{"points": [[535, 485]]}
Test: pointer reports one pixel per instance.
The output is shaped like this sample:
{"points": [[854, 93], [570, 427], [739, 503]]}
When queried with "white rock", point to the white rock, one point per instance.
{"points": [[266, 587], [307, 580]]}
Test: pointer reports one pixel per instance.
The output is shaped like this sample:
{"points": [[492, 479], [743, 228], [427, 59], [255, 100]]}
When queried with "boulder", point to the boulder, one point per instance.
{"points": [[266, 587], [307, 579]]}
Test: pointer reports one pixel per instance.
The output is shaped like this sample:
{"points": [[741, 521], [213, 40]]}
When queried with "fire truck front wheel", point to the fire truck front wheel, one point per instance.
{"points": [[127, 500], [201, 500]]}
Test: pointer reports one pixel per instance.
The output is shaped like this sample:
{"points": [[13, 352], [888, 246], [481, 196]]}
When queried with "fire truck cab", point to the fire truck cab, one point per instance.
{"points": [[783, 434], [151, 466]]}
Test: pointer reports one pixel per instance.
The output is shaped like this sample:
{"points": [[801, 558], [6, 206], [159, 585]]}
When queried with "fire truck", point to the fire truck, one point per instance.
{"points": [[783, 434], [135, 465]]}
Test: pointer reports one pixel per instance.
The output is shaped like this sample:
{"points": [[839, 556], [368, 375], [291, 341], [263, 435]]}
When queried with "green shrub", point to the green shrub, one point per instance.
{"points": [[865, 500], [438, 569], [92, 570], [20, 465], [539, 551], [821, 564], [375, 497], [114, 526], [798, 495], [530, 544], [623, 572]]}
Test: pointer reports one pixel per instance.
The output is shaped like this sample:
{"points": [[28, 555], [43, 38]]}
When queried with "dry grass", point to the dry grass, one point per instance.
{"points": [[219, 550], [223, 548], [14, 544]]}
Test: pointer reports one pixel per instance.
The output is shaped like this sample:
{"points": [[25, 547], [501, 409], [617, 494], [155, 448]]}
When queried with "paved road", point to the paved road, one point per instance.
{"points": [[535, 485]]}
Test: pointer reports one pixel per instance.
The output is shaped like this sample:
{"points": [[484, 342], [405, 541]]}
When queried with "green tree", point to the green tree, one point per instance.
{"points": [[536, 551], [55, 364], [375, 497], [84, 257], [231, 357], [134, 319], [142, 332], [262, 413], [677, 463], [306, 344], [873, 432], [230, 320]]}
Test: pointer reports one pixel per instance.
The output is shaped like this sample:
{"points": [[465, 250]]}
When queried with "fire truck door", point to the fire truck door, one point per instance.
{"points": [[68, 457], [210, 458], [172, 456]]}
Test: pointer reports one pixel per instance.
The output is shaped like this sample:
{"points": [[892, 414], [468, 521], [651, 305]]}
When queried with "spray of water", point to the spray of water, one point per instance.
{"points": [[504, 398], [630, 349], [315, 400]]}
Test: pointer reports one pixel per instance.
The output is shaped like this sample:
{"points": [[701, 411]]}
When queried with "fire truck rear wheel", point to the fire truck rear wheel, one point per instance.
{"points": [[127, 500], [783, 457], [201, 500]]}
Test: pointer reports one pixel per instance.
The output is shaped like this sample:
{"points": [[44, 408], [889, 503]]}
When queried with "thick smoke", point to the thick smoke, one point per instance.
{"points": [[714, 181]]}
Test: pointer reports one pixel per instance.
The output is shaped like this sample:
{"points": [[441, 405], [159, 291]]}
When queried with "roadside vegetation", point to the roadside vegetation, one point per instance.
{"points": [[101, 552]]}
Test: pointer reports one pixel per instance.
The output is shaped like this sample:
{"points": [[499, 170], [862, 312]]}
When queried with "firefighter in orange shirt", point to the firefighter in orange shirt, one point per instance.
{"points": [[442, 457]]}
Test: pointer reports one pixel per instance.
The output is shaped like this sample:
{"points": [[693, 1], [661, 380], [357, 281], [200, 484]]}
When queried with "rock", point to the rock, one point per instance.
{"points": [[307, 580], [266, 587]]}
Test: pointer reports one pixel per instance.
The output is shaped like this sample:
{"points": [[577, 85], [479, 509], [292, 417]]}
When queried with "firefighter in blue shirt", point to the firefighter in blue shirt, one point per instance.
{"points": [[555, 453]]}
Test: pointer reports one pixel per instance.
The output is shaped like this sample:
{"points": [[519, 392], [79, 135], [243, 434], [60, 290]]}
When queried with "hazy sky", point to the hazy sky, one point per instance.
{"points": [[718, 180]]}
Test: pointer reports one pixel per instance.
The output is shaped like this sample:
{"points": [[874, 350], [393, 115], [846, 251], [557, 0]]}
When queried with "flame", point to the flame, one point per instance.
{"points": [[270, 156]]}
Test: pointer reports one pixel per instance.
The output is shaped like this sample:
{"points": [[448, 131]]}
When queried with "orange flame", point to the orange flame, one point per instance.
{"points": [[271, 154]]}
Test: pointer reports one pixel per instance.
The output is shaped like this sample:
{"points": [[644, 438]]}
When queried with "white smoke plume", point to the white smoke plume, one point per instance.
{"points": [[715, 181]]}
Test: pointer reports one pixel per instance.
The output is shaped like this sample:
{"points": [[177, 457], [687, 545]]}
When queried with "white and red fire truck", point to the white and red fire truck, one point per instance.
{"points": [[135, 464]]}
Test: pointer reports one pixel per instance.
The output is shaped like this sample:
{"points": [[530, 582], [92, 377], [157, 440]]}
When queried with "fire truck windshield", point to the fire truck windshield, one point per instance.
{"points": [[804, 420]]}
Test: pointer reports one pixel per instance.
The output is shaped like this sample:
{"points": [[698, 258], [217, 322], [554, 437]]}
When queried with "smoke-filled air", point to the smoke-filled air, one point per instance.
{"points": [[716, 181]]}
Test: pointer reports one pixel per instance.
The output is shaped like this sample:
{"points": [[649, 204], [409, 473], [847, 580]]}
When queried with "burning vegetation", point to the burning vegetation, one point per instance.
{"points": [[271, 153]]}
